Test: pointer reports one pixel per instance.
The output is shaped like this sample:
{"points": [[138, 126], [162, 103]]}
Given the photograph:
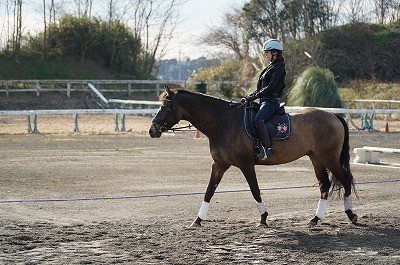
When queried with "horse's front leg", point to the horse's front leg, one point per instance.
{"points": [[251, 178], [217, 171]]}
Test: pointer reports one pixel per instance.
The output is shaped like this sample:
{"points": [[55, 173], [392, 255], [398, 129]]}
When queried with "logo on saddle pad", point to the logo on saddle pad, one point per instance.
{"points": [[282, 128], [278, 126]]}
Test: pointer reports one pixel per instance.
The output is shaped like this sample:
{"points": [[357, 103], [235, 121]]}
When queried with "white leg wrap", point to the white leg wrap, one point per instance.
{"points": [[348, 204], [261, 207], [321, 209], [203, 210]]}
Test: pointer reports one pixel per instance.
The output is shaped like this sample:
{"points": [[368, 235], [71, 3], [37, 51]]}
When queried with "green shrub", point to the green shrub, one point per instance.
{"points": [[226, 90], [202, 88], [315, 87]]}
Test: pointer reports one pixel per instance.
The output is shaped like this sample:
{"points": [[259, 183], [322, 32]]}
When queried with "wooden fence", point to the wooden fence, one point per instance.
{"points": [[116, 86]]}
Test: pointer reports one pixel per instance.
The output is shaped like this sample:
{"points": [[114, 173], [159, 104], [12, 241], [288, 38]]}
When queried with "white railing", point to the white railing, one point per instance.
{"points": [[367, 115], [361, 103], [119, 114]]}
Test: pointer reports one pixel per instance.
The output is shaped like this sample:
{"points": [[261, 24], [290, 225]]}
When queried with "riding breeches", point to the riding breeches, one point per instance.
{"points": [[267, 109]]}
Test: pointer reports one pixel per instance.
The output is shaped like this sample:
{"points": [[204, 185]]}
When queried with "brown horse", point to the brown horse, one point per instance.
{"points": [[322, 136]]}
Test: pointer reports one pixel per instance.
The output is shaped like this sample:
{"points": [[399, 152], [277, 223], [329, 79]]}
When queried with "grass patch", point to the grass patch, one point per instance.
{"points": [[371, 90]]}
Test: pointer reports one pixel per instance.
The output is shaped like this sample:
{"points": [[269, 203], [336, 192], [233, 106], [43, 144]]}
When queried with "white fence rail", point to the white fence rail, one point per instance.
{"points": [[367, 114], [119, 114]]}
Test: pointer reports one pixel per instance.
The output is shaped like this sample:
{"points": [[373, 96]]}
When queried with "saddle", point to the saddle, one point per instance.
{"points": [[278, 125]]}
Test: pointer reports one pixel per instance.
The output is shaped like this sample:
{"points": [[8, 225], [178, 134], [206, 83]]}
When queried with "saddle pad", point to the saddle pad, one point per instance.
{"points": [[278, 126]]}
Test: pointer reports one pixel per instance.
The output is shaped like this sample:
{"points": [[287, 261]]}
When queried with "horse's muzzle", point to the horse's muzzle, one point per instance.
{"points": [[154, 132]]}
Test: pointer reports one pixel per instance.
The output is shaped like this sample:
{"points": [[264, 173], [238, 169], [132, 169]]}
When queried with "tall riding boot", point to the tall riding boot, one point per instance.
{"points": [[266, 150]]}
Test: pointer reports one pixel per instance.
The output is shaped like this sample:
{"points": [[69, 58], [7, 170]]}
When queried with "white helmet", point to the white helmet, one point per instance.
{"points": [[272, 44]]}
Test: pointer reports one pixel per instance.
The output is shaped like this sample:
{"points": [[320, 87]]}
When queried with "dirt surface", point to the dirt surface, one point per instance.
{"points": [[104, 198]]}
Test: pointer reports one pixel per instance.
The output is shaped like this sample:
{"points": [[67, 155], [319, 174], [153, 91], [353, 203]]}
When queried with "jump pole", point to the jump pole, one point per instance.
{"points": [[98, 93]]}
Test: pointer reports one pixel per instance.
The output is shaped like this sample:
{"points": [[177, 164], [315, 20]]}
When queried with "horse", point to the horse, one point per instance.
{"points": [[320, 135]]}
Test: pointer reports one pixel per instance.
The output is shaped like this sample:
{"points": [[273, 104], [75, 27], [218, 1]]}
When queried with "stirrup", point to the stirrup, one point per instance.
{"points": [[265, 152]]}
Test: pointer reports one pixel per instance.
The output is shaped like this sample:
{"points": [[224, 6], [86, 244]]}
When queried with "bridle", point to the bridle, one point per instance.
{"points": [[169, 105]]}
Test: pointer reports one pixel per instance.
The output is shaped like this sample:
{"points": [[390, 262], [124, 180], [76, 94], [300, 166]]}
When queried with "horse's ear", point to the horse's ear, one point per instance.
{"points": [[169, 92]]}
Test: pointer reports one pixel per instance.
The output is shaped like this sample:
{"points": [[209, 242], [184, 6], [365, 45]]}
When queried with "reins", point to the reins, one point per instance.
{"points": [[174, 129]]}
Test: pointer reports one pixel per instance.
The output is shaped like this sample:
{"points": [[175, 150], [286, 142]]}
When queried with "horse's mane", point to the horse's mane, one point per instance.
{"points": [[164, 94]]}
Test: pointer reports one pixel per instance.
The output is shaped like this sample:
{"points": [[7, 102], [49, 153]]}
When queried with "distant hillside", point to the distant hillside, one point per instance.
{"points": [[352, 51], [31, 66]]}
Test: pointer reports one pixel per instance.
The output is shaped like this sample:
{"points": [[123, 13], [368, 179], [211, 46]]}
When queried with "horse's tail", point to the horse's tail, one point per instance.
{"points": [[345, 157]]}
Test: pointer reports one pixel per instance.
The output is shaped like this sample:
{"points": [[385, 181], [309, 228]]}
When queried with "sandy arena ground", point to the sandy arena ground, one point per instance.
{"points": [[100, 197]]}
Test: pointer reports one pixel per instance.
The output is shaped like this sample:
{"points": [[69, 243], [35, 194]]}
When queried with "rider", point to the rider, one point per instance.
{"points": [[269, 89]]}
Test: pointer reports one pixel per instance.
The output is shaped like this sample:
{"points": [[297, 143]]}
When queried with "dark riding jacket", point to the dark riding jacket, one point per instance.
{"points": [[271, 82]]}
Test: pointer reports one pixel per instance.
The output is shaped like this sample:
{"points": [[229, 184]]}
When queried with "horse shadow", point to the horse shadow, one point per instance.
{"points": [[360, 238]]}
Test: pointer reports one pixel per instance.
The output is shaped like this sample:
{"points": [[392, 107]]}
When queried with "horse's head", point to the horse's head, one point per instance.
{"points": [[167, 116]]}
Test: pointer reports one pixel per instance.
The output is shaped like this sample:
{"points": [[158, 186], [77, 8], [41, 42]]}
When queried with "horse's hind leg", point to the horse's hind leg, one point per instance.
{"points": [[324, 185], [346, 179], [217, 171]]}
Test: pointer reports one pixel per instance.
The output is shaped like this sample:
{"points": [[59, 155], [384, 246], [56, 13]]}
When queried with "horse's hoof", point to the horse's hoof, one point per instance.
{"points": [[354, 219], [352, 216], [194, 225], [313, 222], [262, 225]]}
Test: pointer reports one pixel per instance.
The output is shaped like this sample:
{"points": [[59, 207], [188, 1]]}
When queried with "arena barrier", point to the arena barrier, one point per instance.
{"points": [[118, 114], [368, 154]]}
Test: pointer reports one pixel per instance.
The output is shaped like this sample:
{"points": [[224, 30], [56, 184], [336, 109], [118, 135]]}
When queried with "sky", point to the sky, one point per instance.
{"points": [[197, 16]]}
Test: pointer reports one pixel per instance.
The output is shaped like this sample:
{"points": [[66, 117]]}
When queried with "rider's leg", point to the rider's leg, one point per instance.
{"points": [[266, 150], [266, 111]]}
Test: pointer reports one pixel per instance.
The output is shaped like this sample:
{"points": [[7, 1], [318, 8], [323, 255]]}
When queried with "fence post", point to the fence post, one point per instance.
{"points": [[68, 89], [37, 88], [157, 89], [129, 89], [35, 129], [123, 123], [116, 120], [116, 128], [7, 90], [28, 120], [76, 128]]}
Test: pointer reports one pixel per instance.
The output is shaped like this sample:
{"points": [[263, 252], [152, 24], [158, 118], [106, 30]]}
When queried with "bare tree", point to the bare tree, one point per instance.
{"points": [[8, 26], [84, 8], [355, 11], [235, 34], [154, 22], [17, 28], [381, 10], [110, 11], [45, 48], [394, 12], [335, 7]]}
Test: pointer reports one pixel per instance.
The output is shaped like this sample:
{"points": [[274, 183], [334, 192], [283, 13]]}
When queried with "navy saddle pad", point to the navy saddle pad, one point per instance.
{"points": [[278, 126]]}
